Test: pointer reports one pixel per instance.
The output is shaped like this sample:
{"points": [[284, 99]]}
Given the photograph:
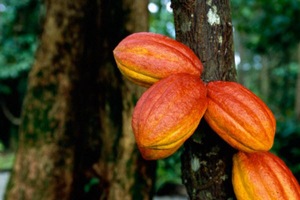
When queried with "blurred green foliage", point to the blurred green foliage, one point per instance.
{"points": [[270, 25], [19, 28], [161, 17], [169, 170], [6, 161]]}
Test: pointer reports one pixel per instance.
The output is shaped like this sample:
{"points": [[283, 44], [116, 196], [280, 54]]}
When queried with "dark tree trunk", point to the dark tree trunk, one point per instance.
{"points": [[205, 26], [75, 137], [117, 165]]}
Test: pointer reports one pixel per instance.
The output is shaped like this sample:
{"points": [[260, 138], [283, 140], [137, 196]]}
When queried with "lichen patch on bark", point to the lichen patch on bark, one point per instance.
{"points": [[212, 16]]}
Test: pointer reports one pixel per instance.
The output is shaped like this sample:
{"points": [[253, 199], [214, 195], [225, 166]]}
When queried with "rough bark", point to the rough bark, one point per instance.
{"points": [[75, 136], [44, 161], [119, 169], [205, 26]]}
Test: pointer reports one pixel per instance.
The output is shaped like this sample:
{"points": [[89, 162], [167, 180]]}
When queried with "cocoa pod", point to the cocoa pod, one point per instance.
{"points": [[263, 176], [167, 114], [239, 117], [144, 58]]}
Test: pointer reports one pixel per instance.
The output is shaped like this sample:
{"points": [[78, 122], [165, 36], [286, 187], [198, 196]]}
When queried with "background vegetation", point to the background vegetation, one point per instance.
{"points": [[267, 43]]}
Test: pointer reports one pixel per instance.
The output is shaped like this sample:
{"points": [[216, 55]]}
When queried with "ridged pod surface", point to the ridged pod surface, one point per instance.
{"points": [[263, 176], [167, 114], [144, 58], [239, 117]]}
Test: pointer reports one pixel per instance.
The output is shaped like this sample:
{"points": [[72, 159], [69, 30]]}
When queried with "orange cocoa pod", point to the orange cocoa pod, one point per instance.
{"points": [[263, 176], [144, 58], [167, 114], [239, 117]]}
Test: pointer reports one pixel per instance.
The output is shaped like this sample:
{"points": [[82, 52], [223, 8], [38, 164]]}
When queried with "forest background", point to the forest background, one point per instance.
{"points": [[267, 55]]}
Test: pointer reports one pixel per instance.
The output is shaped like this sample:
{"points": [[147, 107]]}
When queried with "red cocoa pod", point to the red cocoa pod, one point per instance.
{"points": [[239, 117], [167, 114], [263, 176], [144, 58]]}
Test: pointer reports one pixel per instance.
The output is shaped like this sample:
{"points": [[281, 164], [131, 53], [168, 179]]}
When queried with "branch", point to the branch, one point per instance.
{"points": [[14, 120]]}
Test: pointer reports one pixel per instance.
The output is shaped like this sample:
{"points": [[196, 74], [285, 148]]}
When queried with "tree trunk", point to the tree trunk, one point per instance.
{"points": [[205, 26], [75, 136], [119, 170]]}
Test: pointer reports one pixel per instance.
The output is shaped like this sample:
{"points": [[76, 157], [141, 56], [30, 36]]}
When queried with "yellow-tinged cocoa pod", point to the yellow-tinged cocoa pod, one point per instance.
{"points": [[167, 114], [144, 58], [239, 117], [263, 176]]}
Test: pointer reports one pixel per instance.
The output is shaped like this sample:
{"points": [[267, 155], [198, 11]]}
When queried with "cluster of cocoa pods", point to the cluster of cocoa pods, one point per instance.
{"points": [[170, 110]]}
